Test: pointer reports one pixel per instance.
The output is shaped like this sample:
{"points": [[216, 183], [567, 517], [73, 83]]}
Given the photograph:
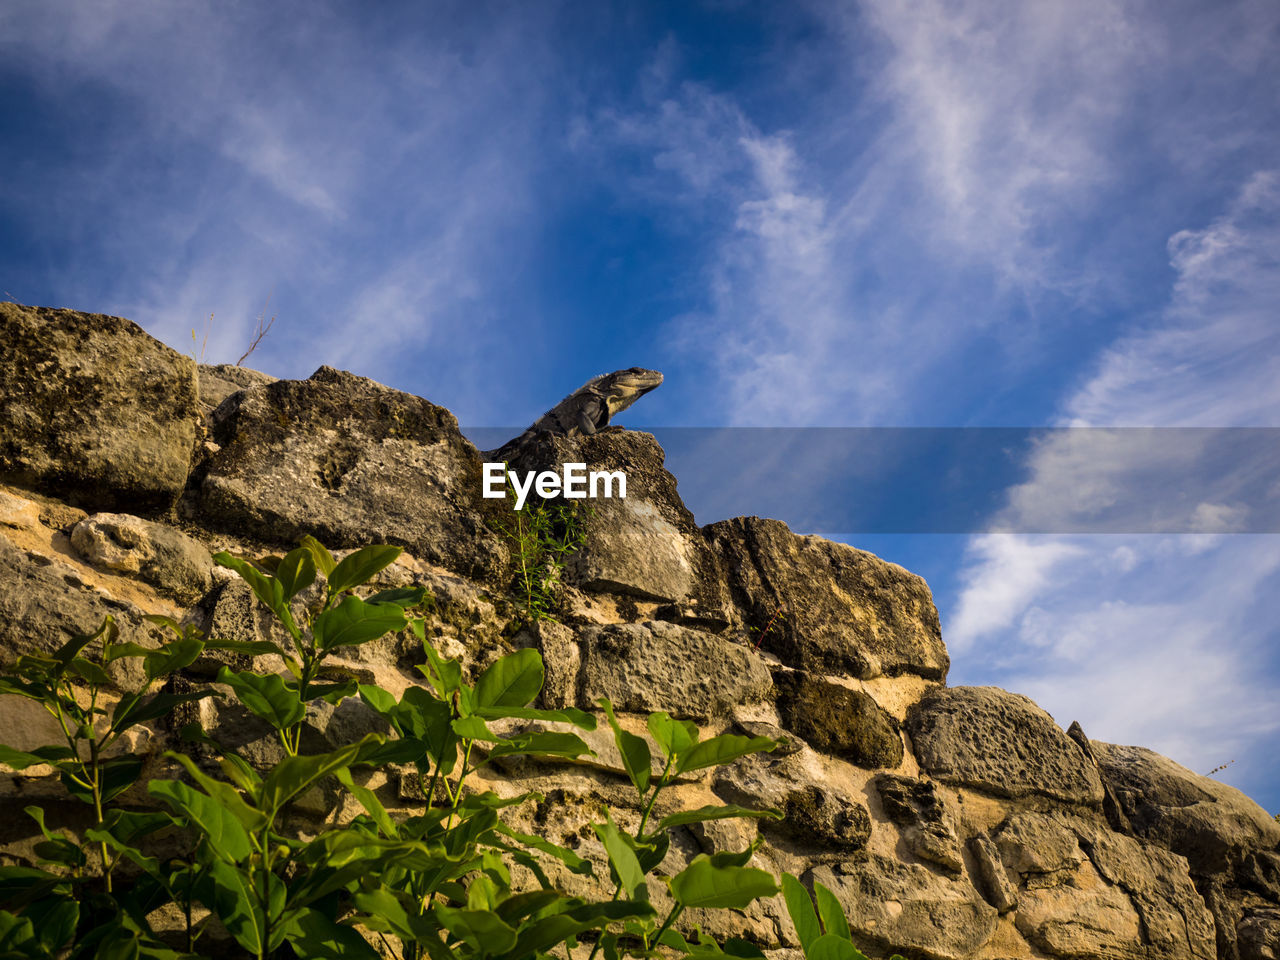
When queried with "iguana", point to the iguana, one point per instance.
{"points": [[587, 410]]}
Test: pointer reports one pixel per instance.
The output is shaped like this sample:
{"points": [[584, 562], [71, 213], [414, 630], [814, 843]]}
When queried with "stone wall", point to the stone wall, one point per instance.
{"points": [[952, 822]]}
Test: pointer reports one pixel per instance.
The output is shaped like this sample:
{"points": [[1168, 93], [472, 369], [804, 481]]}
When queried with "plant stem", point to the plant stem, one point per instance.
{"points": [[662, 782], [675, 912]]}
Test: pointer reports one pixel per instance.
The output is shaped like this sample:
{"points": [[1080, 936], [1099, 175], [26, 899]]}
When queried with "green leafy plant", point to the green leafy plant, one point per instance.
{"points": [[441, 883], [543, 536], [43, 908], [824, 933]]}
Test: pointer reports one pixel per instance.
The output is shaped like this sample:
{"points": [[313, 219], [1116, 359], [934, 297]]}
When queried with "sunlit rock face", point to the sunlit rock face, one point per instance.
{"points": [[950, 823]]}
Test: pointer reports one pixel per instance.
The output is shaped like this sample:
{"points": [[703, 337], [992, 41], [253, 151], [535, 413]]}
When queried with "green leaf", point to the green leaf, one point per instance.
{"points": [[473, 728], [444, 675], [68, 651], [579, 718], [703, 884], [296, 572], [390, 912], [116, 776], [224, 793], [702, 814], [832, 914], [635, 752], [21, 688], [129, 826], [427, 718], [543, 934], [313, 936], [88, 671], [250, 648], [623, 859], [539, 744], [333, 693], [511, 681], [800, 906], [21, 759], [403, 597], [521, 905], [673, 736], [378, 700], [323, 558], [369, 800], [353, 622], [829, 946], [54, 920], [720, 750], [230, 893], [360, 566], [267, 589], [172, 656], [266, 696], [293, 775], [227, 836], [131, 710], [18, 936], [570, 859], [482, 930]]}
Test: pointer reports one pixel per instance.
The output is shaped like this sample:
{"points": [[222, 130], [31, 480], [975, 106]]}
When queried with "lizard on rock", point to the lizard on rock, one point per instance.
{"points": [[588, 409]]}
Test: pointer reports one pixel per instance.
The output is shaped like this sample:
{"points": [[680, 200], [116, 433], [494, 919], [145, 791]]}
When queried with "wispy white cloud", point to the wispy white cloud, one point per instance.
{"points": [[366, 180], [1157, 640]]}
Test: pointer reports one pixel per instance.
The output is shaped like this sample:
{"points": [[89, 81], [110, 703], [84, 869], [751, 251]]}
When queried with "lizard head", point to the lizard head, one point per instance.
{"points": [[625, 387]]}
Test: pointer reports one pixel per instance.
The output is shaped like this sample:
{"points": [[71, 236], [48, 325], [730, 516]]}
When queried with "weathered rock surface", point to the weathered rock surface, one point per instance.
{"points": [[834, 719], [916, 807], [894, 906], [843, 610], [1214, 826], [93, 410], [656, 665], [992, 879], [45, 602], [162, 556], [648, 545], [818, 814], [219, 381], [350, 462], [1000, 743]]}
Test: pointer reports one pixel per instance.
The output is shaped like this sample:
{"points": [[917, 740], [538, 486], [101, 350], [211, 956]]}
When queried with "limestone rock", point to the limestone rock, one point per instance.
{"points": [[350, 462], [1259, 934], [1175, 920], [917, 809], [993, 881], [839, 721], [1081, 917], [154, 553], [93, 410], [642, 667], [646, 545], [1081, 883], [1214, 826], [44, 602], [906, 908], [843, 610], [1037, 845], [219, 381], [816, 815], [1000, 743]]}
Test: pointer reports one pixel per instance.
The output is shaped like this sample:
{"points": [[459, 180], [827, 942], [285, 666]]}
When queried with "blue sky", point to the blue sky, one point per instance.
{"points": [[939, 214]]}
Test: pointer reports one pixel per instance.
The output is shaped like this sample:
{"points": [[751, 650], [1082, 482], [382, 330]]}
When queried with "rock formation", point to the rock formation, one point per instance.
{"points": [[950, 822]]}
